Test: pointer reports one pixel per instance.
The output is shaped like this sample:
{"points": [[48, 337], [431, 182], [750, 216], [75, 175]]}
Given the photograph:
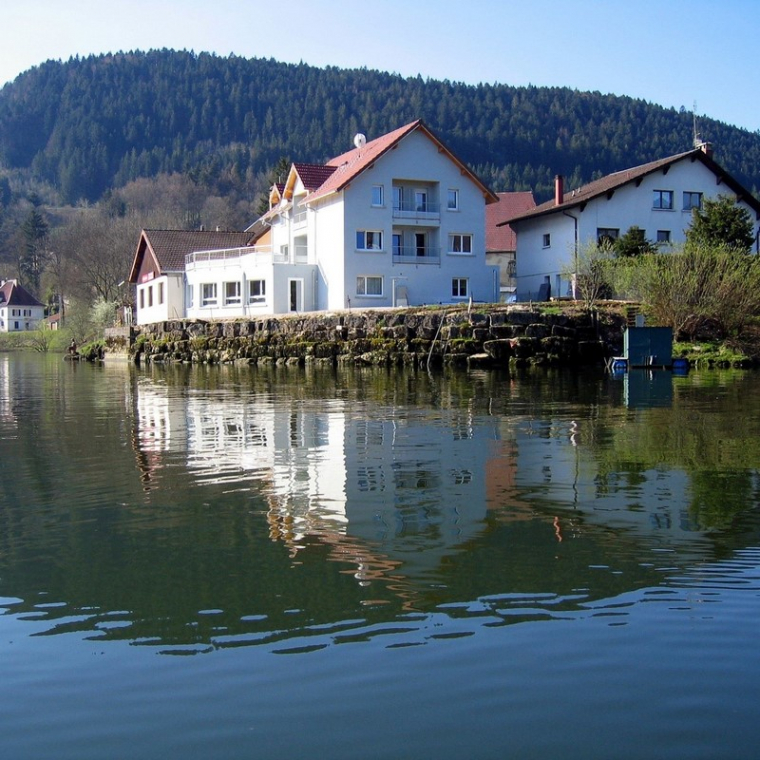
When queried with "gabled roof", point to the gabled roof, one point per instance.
{"points": [[168, 248], [503, 237], [346, 167], [607, 185], [12, 294], [312, 177]]}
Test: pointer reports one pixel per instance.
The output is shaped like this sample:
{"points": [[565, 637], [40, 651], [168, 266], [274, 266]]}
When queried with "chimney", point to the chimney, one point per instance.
{"points": [[707, 149], [559, 190]]}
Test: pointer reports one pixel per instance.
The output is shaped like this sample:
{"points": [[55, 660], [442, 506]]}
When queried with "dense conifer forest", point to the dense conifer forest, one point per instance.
{"points": [[94, 149], [93, 124]]}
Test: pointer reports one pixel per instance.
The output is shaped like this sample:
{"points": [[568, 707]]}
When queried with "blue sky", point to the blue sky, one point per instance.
{"points": [[670, 52]]}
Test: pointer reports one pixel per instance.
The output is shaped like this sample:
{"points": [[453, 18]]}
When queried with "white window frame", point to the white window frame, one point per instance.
{"points": [[232, 293], [460, 287], [452, 199], [189, 294], [658, 199], [546, 240], [369, 240], [460, 243], [261, 295], [421, 200], [160, 293], [378, 196], [362, 285], [209, 294]]}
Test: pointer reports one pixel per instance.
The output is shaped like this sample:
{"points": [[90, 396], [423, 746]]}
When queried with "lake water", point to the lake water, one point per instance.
{"points": [[220, 562]]}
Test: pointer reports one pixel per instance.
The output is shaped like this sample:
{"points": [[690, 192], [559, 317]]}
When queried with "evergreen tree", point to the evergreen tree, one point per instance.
{"points": [[632, 243], [32, 261], [721, 222]]}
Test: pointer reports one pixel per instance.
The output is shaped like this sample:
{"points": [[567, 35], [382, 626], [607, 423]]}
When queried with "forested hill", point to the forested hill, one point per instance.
{"points": [[96, 123]]}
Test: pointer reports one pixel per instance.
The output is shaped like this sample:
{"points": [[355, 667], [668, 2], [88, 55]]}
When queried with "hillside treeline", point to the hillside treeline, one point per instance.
{"points": [[89, 125]]}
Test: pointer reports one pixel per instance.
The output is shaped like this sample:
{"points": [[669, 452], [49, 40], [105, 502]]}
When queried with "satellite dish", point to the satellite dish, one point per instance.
{"points": [[360, 140]]}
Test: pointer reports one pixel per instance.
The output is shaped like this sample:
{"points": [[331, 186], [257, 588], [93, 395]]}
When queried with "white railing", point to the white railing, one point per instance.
{"points": [[427, 211], [412, 254], [202, 259], [299, 219]]}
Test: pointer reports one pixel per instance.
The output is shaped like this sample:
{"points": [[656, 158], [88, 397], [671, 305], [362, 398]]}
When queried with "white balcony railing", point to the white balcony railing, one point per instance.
{"points": [[420, 212], [412, 254], [232, 256]]}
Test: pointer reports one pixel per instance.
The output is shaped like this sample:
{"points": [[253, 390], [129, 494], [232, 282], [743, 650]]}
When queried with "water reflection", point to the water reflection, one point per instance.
{"points": [[197, 508]]}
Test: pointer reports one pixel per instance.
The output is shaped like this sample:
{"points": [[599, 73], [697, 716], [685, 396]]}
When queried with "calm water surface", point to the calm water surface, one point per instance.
{"points": [[284, 563]]}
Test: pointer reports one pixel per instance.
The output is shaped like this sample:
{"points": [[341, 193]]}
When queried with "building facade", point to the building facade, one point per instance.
{"points": [[657, 197]]}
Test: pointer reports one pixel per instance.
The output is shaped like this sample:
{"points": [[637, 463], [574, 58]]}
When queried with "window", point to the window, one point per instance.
{"points": [[420, 200], [369, 240], [452, 200], [369, 285], [142, 298], [231, 293], [547, 240], [662, 199], [398, 198], [160, 292], [606, 235], [460, 243], [691, 201], [397, 244], [208, 294], [150, 296], [257, 291], [459, 287], [377, 195], [189, 295], [663, 236]]}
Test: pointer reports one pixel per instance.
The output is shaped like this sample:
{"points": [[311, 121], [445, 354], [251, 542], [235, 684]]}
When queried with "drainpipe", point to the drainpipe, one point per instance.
{"points": [[575, 250]]}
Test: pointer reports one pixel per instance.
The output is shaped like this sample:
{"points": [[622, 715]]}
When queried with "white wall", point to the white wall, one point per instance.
{"points": [[417, 160], [172, 305]]}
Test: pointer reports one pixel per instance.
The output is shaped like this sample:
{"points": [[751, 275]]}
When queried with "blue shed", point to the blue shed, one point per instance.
{"points": [[648, 346]]}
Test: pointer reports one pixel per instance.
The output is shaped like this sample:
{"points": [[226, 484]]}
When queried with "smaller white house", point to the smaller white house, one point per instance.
{"points": [[158, 269], [657, 197], [19, 309]]}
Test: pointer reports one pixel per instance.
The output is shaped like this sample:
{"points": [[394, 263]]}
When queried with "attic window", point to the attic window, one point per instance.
{"points": [[662, 199]]}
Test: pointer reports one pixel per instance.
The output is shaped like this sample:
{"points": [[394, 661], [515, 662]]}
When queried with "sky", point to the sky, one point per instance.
{"points": [[675, 53]]}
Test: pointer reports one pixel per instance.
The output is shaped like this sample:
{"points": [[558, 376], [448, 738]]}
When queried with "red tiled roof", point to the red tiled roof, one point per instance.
{"points": [[313, 176], [611, 182], [509, 204], [169, 247], [12, 294], [347, 166]]}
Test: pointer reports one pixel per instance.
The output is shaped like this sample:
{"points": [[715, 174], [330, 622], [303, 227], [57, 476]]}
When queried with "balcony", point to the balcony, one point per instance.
{"points": [[412, 254], [418, 213], [233, 257]]}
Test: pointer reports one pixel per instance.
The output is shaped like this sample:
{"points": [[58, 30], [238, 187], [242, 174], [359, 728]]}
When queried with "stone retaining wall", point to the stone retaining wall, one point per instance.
{"points": [[488, 336]]}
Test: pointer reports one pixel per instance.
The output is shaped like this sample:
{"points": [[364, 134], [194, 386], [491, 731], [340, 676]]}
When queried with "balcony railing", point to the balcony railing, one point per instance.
{"points": [[299, 219], [411, 254], [420, 212], [233, 256]]}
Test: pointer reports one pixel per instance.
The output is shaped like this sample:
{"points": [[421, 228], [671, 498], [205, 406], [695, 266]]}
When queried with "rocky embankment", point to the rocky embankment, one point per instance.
{"points": [[486, 336]]}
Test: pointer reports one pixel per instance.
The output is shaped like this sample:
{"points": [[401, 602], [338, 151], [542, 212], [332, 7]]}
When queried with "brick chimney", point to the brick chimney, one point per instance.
{"points": [[707, 149], [559, 190]]}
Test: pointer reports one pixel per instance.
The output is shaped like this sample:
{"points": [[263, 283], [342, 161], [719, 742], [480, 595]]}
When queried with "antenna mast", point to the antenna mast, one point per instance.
{"points": [[697, 138]]}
